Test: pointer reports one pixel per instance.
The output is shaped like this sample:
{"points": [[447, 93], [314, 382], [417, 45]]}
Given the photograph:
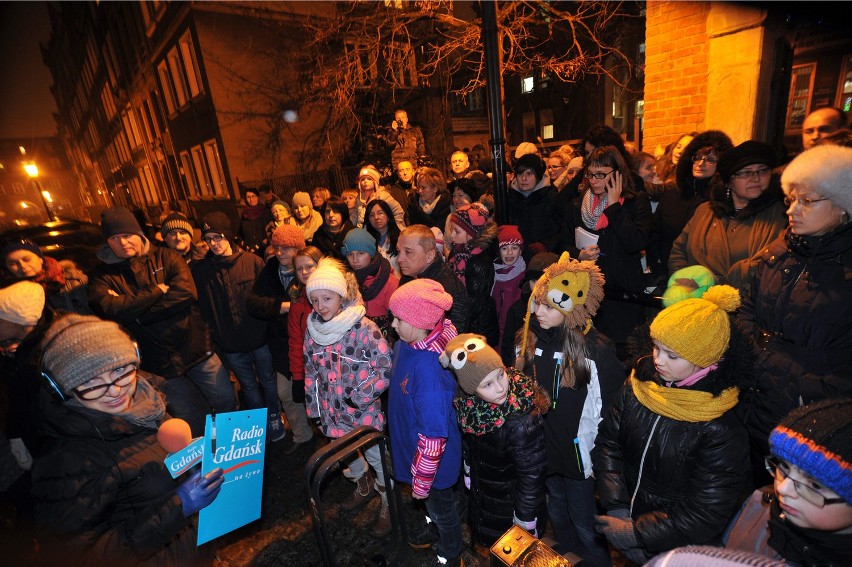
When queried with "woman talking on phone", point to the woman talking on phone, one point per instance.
{"points": [[610, 223]]}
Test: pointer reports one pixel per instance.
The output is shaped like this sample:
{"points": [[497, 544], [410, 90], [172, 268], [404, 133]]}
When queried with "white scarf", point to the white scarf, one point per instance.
{"points": [[503, 275], [329, 332]]}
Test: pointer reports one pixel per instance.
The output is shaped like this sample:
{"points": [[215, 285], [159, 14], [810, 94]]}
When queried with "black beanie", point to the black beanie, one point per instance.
{"points": [[175, 221], [20, 244], [531, 162], [119, 220], [747, 153], [218, 223]]}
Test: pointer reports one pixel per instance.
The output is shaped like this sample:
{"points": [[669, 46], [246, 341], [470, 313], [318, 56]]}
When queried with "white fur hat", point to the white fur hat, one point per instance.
{"points": [[827, 170]]}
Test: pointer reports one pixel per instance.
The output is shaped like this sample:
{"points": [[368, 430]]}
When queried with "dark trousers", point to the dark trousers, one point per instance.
{"points": [[441, 507]]}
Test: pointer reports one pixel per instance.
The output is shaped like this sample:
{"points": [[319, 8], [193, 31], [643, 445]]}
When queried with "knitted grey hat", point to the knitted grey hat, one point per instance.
{"points": [[76, 348]]}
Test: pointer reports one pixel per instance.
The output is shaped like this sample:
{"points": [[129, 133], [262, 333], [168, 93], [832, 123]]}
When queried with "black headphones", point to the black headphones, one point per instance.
{"points": [[55, 389]]}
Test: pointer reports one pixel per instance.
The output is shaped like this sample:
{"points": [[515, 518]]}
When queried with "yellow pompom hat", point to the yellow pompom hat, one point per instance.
{"points": [[698, 329]]}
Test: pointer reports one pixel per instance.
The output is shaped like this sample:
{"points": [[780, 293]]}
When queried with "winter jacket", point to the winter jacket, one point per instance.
{"points": [[438, 216], [368, 280], [330, 242], [343, 380], [310, 226], [252, 230], [224, 284], [728, 242], [478, 281], [297, 325], [798, 312], [103, 494], [693, 473], [169, 328], [406, 144], [439, 271], [380, 194], [264, 302], [507, 472], [537, 217], [420, 401], [505, 294]]}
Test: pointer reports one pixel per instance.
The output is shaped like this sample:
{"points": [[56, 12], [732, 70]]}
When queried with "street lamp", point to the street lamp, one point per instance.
{"points": [[32, 171]]}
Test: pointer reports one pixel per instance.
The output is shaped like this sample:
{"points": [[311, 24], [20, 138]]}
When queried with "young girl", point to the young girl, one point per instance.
{"points": [[376, 280], [577, 366], [672, 457], [500, 413], [473, 236], [346, 366], [509, 273]]}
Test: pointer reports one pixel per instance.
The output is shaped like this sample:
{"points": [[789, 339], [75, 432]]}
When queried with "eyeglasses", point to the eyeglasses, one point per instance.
{"points": [[216, 238], [806, 202], [554, 167], [590, 175], [124, 376], [751, 173], [708, 159], [780, 470]]}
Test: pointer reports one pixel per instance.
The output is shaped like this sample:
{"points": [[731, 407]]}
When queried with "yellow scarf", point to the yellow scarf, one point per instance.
{"points": [[683, 405]]}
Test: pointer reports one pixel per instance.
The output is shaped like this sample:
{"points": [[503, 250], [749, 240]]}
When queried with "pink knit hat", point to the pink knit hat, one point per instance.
{"points": [[509, 234], [471, 218], [420, 303], [288, 236]]}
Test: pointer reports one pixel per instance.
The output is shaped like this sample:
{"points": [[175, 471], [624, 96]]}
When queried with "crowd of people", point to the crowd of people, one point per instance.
{"points": [[525, 373]]}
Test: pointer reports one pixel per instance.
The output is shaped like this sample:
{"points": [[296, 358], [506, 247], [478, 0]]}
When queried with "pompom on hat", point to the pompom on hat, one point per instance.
{"points": [[509, 234], [817, 438], [22, 303], [826, 170], [421, 303], [175, 221], [691, 281], [698, 329], [288, 236], [471, 218], [471, 359]]}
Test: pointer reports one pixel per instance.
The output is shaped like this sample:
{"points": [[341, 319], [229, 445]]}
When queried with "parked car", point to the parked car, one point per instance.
{"points": [[63, 240]]}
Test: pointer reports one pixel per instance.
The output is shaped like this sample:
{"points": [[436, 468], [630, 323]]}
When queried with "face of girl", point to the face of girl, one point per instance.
{"points": [[646, 170], [326, 303], [671, 367], [494, 388], [378, 219], [302, 212], [285, 255], [305, 266], [117, 398], [598, 186], [809, 215], [509, 253], [367, 185], [705, 167], [548, 317], [749, 183], [24, 264], [333, 219], [458, 236], [407, 331], [358, 259], [460, 198], [252, 199], [830, 518], [679, 147]]}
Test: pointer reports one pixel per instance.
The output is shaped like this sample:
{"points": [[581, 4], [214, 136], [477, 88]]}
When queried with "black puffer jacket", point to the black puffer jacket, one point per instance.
{"points": [[103, 495], [507, 470], [693, 474], [537, 217], [224, 284], [801, 296], [479, 279], [264, 302], [169, 328]]}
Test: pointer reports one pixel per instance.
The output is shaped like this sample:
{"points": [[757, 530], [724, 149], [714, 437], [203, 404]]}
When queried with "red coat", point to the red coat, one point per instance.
{"points": [[378, 306], [297, 324]]}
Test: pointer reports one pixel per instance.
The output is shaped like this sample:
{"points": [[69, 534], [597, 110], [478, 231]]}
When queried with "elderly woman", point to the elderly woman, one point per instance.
{"points": [[743, 215], [799, 309], [102, 492]]}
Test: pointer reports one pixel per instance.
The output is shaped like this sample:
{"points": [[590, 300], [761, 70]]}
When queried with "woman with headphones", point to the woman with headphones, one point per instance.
{"points": [[101, 489]]}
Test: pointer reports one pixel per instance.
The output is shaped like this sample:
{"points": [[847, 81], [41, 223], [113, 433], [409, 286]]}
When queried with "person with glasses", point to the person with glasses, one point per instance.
{"points": [[805, 516], [744, 213], [557, 169], [102, 492], [799, 309]]}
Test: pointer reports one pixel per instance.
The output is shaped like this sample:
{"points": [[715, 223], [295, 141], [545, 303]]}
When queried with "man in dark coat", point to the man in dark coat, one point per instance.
{"points": [[150, 291]]}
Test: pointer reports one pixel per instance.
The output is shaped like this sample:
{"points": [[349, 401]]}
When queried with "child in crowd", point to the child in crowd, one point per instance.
{"points": [[350, 197], [425, 438], [474, 236], [304, 263], [376, 280], [517, 311], [672, 457], [346, 366], [329, 237], [500, 413], [509, 273], [577, 366], [806, 517]]}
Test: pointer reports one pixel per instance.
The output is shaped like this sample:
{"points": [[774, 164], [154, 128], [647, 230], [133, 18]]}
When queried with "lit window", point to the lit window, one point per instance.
{"points": [[527, 84], [547, 131]]}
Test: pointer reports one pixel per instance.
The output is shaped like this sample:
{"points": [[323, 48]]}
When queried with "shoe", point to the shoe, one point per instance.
{"points": [[363, 493], [423, 536], [382, 526], [444, 562], [275, 430]]}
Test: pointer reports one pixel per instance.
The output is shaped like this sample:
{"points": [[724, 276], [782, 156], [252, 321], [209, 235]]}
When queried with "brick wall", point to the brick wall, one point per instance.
{"points": [[676, 70]]}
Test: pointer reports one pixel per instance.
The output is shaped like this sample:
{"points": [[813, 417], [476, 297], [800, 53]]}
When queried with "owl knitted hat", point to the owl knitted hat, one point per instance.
{"points": [[471, 359], [698, 329], [817, 438]]}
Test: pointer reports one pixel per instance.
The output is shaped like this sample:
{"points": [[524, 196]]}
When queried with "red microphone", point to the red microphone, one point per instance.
{"points": [[174, 434]]}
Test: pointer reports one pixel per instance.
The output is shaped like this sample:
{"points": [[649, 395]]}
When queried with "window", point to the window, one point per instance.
{"points": [[202, 171], [844, 98], [527, 84], [167, 87], [188, 173], [546, 118], [178, 77], [801, 89], [217, 175], [190, 65]]}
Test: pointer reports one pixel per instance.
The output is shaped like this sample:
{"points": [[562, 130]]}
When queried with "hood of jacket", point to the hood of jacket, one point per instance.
{"points": [[721, 143]]}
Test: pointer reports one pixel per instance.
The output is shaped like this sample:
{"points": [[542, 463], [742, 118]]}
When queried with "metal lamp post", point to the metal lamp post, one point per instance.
{"points": [[32, 170]]}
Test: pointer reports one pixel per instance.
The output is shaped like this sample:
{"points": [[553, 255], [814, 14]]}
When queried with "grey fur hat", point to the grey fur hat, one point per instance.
{"points": [[827, 170]]}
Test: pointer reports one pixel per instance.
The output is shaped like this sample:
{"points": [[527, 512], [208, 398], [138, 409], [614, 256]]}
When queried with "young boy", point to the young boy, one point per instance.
{"points": [[509, 273], [425, 438]]}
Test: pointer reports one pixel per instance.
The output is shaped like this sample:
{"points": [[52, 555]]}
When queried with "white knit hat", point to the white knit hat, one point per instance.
{"points": [[827, 170], [327, 276], [22, 303]]}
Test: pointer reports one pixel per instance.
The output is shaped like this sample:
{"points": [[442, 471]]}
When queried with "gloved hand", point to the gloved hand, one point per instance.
{"points": [[21, 454], [619, 532], [198, 491], [529, 526], [298, 389]]}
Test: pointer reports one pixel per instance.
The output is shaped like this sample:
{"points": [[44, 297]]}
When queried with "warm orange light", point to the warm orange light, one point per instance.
{"points": [[31, 168], [47, 197]]}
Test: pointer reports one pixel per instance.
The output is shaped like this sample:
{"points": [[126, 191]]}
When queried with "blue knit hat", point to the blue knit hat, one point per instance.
{"points": [[817, 438], [359, 240]]}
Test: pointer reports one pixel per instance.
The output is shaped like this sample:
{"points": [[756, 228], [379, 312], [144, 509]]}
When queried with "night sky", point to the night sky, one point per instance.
{"points": [[26, 104]]}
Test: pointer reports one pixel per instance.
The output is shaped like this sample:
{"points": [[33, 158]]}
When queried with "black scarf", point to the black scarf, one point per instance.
{"points": [[812, 548], [378, 267]]}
